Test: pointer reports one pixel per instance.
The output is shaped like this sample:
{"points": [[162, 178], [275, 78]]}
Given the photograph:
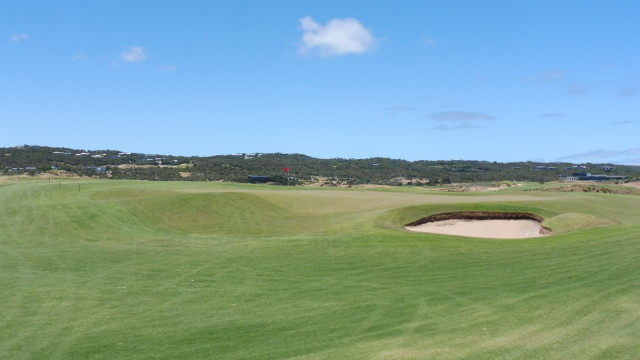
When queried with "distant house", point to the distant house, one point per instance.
{"points": [[591, 177], [252, 155]]}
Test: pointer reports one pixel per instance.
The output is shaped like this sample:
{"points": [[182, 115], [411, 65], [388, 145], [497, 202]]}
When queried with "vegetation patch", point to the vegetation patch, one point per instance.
{"points": [[31, 160], [593, 188]]}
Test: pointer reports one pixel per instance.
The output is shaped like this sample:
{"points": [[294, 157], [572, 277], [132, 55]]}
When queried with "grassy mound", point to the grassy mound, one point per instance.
{"points": [[224, 214], [569, 222]]}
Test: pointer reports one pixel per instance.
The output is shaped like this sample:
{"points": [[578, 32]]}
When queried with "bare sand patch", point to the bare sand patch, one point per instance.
{"points": [[635, 184], [494, 225]]}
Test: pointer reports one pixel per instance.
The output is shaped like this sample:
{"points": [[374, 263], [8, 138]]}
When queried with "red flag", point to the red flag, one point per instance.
{"points": [[287, 170]]}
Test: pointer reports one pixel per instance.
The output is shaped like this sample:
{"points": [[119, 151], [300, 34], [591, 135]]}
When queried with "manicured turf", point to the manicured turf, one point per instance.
{"points": [[152, 270]]}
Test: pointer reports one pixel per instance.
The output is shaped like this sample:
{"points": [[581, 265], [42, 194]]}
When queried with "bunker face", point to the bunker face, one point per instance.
{"points": [[482, 225]]}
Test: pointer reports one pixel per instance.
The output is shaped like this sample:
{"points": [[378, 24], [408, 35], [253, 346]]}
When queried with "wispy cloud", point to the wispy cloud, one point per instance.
{"points": [[626, 87], [134, 54], [551, 115], [167, 68], [18, 38], [623, 122], [463, 126], [428, 41], [578, 89], [627, 93], [628, 156], [459, 116], [79, 58], [547, 76], [400, 108], [337, 37]]}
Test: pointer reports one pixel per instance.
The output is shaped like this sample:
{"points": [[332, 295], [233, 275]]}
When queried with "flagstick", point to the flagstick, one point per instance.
{"points": [[287, 170]]}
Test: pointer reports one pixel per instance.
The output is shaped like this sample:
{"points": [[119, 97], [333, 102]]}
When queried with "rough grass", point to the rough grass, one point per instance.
{"points": [[140, 270]]}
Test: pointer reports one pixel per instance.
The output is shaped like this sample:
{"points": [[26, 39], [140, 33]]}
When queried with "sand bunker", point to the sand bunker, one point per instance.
{"points": [[482, 224]]}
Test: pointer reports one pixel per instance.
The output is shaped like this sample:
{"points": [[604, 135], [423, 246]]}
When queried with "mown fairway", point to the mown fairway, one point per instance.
{"points": [[149, 270]]}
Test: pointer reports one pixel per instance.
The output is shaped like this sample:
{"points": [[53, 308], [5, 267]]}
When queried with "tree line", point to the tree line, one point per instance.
{"points": [[29, 159]]}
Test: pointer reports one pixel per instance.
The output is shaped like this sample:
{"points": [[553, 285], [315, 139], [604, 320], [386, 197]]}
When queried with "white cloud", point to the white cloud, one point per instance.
{"points": [[459, 116], [134, 54], [18, 38], [337, 37]]}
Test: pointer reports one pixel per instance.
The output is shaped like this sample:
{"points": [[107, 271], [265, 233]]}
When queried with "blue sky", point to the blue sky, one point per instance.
{"points": [[416, 80]]}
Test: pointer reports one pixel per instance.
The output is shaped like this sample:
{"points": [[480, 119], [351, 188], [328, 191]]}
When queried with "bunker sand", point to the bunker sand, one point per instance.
{"points": [[482, 224], [497, 229]]}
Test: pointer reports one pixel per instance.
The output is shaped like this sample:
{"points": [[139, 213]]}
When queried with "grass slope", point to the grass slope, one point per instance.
{"points": [[144, 270]]}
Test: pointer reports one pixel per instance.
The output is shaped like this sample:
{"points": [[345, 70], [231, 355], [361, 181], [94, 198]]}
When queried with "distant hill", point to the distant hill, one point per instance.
{"points": [[246, 167]]}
